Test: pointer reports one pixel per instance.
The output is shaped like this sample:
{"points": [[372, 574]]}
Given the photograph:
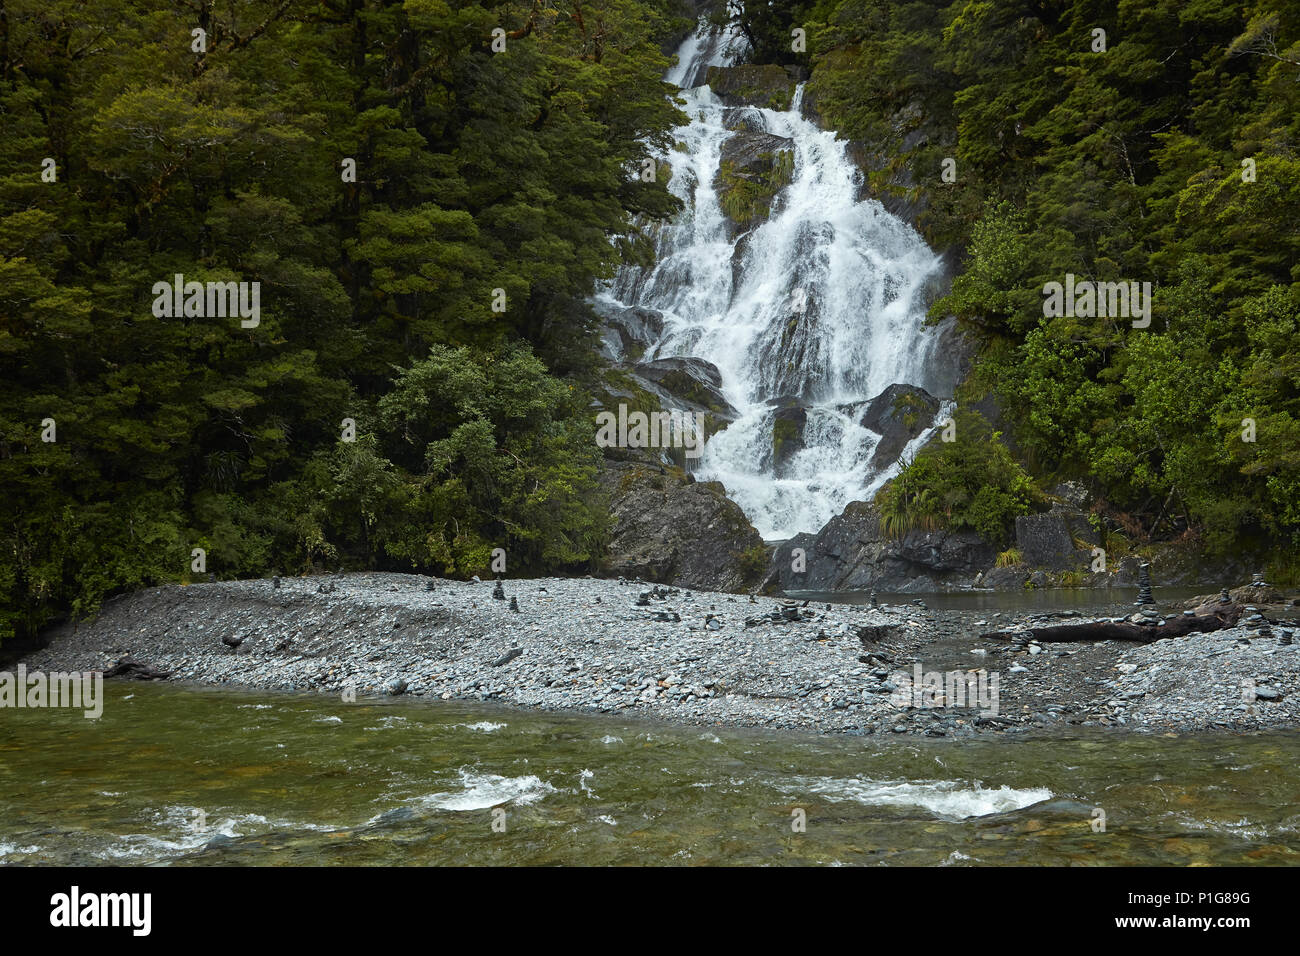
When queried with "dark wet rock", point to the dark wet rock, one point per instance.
{"points": [[397, 687], [751, 152], [874, 633], [1004, 579], [1046, 541], [752, 168], [898, 415], [629, 330], [231, 641], [852, 553], [673, 530], [134, 670], [788, 426], [693, 382], [744, 119]]}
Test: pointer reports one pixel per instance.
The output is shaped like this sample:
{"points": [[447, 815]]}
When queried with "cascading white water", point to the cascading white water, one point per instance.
{"points": [[820, 305]]}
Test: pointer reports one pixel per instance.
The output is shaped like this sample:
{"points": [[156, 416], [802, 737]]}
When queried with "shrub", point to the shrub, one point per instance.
{"points": [[972, 483]]}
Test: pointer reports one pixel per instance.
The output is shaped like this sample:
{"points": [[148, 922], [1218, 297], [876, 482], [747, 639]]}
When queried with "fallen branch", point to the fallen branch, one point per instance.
{"points": [[134, 670], [1202, 620]]}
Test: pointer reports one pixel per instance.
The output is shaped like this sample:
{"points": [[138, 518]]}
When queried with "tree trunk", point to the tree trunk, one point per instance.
{"points": [[1206, 618]]}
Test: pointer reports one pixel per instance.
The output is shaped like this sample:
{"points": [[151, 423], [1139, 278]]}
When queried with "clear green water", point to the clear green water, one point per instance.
{"points": [[313, 780]]}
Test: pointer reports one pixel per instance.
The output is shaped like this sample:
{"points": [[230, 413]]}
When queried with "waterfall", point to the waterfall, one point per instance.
{"points": [[820, 306]]}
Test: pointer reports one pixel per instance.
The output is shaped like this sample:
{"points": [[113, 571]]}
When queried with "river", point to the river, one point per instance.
{"points": [[178, 774]]}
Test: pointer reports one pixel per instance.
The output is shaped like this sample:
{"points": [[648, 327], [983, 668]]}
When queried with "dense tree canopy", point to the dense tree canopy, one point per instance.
{"points": [[425, 191]]}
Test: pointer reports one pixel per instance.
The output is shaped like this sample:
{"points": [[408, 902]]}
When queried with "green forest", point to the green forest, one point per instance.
{"points": [[435, 296], [428, 191]]}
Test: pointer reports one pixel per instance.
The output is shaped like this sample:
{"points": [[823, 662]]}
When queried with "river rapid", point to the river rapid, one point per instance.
{"points": [[187, 775]]}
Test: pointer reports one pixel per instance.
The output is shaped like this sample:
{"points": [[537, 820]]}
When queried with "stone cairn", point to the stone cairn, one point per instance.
{"points": [[498, 592], [514, 604], [1144, 585], [1225, 597]]}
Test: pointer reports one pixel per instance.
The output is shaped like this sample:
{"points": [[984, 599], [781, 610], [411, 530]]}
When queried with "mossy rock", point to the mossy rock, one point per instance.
{"points": [[753, 169], [768, 86]]}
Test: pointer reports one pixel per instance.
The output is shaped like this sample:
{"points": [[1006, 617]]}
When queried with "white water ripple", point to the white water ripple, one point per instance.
{"points": [[946, 799]]}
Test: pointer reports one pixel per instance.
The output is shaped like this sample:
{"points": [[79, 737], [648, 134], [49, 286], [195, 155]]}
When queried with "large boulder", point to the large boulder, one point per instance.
{"points": [[898, 415], [769, 86], [852, 553], [753, 167], [1046, 541], [671, 529], [692, 382]]}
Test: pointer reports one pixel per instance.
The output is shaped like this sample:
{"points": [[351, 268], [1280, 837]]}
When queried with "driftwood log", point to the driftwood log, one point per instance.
{"points": [[134, 670], [1206, 618]]}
